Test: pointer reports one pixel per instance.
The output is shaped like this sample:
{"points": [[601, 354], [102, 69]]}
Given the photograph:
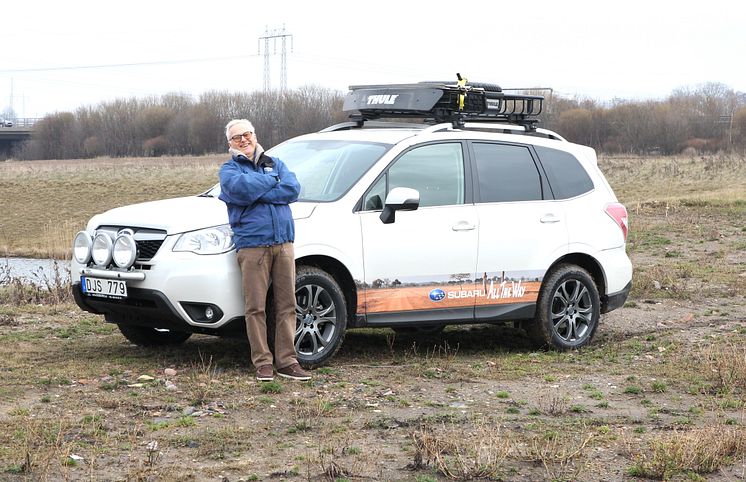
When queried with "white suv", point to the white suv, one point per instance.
{"points": [[474, 217]]}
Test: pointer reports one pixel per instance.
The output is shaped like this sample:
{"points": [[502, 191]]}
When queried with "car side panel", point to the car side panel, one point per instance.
{"points": [[423, 261], [518, 242], [333, 232]]}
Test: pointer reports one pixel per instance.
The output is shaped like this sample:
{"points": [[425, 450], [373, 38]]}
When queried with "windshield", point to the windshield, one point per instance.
{"points": [[326, 169]]}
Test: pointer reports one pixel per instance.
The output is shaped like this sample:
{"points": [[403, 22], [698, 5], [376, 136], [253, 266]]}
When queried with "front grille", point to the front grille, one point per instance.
{"points": [[147, 249], [148, 241]]}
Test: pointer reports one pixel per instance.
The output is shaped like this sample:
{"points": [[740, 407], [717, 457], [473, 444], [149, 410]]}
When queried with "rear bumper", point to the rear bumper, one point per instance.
{"points": [[615, 300]]}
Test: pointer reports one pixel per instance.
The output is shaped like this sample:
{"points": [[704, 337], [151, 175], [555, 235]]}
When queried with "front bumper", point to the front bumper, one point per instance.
{"points": [[169, 291], [142, 307], [149, 308]]}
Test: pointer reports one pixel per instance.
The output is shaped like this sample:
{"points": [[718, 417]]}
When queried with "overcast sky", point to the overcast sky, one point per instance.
{"points": [[60, 55]]}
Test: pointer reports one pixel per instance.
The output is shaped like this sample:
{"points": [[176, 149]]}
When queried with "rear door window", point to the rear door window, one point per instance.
{"points": [[506, 173]]}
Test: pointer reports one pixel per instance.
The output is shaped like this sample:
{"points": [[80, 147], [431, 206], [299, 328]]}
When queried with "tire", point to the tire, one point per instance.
{"points": [[568, 309], [146, 336], [321, 316]]}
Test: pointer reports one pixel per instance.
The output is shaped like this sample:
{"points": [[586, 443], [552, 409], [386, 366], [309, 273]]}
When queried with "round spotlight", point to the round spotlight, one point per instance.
{"points": [[124, 251], [101, 250], [82, 247], [209, 313]]}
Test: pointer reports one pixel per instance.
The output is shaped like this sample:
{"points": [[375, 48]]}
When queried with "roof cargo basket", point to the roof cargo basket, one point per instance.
{"points": [[443, 102]]}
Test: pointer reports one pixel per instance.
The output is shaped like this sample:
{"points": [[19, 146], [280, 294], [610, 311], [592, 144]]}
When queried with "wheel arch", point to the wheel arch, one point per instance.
{"points": [[343, 277], [588, 263]]}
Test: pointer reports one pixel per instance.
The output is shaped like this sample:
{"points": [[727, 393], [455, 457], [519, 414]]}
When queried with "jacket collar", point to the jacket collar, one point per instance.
{"points": [[241, 157]]}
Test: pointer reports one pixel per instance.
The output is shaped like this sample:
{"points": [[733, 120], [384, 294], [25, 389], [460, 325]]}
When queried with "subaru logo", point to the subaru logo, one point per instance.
{"points": [[437, 295]]}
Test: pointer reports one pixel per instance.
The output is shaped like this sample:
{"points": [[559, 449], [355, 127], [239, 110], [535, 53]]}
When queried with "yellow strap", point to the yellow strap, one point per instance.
{"points": [[461, 97]]}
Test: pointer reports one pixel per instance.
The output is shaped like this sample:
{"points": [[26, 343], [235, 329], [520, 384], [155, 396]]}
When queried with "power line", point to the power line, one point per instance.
{"points": [[132, 64]]}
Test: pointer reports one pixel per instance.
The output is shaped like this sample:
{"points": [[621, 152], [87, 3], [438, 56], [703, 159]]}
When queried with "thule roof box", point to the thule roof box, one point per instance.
{"points": [[442, 102]]}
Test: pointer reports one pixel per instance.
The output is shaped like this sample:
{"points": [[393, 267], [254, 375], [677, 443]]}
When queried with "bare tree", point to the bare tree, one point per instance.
{"points": [[577, 125], [739, 128], [705, 117]]}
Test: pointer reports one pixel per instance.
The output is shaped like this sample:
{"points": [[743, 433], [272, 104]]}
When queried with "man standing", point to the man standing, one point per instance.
{"points": [[257, 190]]}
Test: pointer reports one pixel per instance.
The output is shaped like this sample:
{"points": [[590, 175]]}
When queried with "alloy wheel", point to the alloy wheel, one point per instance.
{"points": [[572, 311], [316, 319]]}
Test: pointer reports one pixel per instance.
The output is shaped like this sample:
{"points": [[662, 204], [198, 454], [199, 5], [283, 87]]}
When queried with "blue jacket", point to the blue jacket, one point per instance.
{"points": [[257, 196]]}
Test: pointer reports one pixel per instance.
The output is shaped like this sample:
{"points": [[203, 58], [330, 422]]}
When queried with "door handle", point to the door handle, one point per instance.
{"points": [[463, 226], [549, 218]]}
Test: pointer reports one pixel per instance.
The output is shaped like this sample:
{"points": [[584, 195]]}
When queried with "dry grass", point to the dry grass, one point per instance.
{"points": [[564, 455], [700, 451], [52, 288], [70, 448], [46, 202], [479, 453], [726, 365], [485, 449], [671, 181], [204, 377]]}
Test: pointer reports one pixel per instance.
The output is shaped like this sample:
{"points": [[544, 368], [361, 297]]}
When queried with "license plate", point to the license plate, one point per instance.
{"points": [[108, 288]]}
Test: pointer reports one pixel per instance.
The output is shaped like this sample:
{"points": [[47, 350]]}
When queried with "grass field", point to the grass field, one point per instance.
{"points": [[660, 394], [46, 202]]}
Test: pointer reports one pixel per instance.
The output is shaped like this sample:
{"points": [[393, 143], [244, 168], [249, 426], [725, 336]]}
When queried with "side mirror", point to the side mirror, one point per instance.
{"points": [[399, 199]]}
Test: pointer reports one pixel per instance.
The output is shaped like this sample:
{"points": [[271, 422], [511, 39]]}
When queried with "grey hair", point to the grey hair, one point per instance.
{"points": [[237, 121]]}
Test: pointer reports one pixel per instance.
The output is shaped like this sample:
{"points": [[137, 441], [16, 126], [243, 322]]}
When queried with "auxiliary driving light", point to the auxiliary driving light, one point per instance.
{"points": [[82, 247], [101, 251], [124, 251]]}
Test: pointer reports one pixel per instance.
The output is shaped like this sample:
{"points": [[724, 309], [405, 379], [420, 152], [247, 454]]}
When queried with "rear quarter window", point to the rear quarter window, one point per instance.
{"points": [[566, 175]]}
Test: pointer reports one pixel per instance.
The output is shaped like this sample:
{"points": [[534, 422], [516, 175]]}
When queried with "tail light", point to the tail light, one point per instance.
{"points": [[618, 213]]}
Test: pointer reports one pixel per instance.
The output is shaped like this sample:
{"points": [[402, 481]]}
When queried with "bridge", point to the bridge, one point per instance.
{"points": [[11, 136]]}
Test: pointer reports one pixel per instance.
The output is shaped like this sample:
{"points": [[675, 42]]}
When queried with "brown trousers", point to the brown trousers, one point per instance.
{"points": [[258, 267]]}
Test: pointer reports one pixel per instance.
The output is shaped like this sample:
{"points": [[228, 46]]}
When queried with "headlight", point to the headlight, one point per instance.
{"points": [[101, 250], [216, 240], [124, 251], [82, 247]]}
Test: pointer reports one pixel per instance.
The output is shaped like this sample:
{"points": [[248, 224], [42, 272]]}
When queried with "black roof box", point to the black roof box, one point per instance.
{"points": [[442, 102]]}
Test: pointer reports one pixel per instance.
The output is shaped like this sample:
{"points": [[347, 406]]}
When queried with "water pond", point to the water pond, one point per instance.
{"points": [[37, 271]]}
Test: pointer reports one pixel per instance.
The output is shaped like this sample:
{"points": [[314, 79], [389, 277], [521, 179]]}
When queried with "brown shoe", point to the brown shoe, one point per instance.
{"points": [[295, 372], [265, 373]]}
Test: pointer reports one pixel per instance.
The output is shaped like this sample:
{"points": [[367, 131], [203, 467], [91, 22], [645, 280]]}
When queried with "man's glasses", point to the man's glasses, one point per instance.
{"points": [[246, 135]]}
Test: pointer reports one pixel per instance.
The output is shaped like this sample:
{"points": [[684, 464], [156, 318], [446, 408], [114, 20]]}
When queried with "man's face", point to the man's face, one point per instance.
{"points": [[242, 138]]}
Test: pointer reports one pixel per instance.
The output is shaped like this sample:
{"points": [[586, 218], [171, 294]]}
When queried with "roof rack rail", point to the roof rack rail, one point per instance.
{"points": [[438, 102], [514, 128], [360, 123]]}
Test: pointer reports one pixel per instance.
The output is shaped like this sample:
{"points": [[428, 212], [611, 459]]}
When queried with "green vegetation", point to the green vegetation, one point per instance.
{"points": [[633, 390], [270, 387]]}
